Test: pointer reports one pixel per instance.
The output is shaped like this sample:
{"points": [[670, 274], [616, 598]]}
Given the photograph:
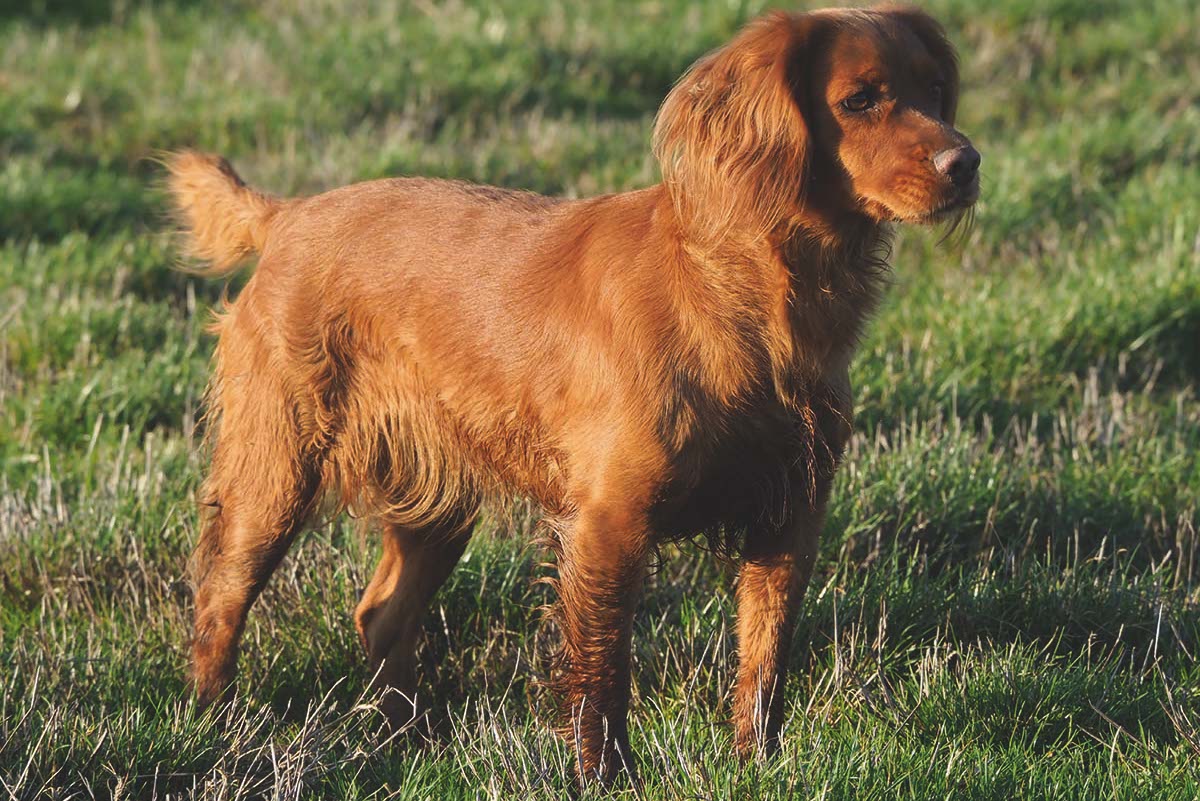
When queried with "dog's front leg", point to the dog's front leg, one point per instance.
{"points": [[602, 567], [777, 565]]}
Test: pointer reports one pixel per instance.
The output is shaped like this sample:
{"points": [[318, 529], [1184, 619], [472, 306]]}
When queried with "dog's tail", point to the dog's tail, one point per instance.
{"points": [[225, 220]]}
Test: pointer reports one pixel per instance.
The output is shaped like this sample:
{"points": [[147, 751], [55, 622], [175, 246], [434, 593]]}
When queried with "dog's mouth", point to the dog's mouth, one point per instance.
{"points": [[955, 205], [947, 207]]}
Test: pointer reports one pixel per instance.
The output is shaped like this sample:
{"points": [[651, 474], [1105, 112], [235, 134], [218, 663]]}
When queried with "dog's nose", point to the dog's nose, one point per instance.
{"points": [[959, 164]]}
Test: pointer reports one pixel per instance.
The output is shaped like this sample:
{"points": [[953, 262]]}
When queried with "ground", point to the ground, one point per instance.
{"points": [[1007, 603]]}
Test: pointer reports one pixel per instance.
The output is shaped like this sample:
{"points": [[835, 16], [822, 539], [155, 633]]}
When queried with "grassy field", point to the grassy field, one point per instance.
{"points": [[1008, 600]]}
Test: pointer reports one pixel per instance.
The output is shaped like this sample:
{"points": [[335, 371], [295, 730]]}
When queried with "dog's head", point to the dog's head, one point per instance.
{"points": [[836, 112]]}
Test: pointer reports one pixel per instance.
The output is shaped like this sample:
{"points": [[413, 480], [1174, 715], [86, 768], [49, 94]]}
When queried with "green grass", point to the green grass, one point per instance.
{"points": [[1008, 600]]}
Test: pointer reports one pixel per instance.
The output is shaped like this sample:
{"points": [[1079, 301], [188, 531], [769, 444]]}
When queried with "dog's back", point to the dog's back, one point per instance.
{"points": [[416, 334]]}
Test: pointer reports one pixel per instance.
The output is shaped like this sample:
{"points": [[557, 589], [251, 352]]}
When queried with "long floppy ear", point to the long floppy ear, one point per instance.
{"points": [[731, 137], [933, 36]]}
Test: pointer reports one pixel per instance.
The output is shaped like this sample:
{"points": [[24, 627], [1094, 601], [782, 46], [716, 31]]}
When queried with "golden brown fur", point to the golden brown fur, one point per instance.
{"points": [[656, 364]]}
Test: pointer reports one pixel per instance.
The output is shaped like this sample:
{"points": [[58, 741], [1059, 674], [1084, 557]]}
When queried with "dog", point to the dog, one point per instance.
{"points": [[646, 366]]}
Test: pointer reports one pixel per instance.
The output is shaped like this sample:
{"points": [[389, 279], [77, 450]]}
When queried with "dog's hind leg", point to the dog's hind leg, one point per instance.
{"points": [[258, 494], [414, 564]]}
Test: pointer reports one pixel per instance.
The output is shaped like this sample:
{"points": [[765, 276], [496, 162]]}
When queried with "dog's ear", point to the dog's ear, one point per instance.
{"points": [[731, 137], [933, 36]]}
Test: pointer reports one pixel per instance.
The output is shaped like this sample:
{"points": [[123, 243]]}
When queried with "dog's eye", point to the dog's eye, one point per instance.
{"points": [[859, 101], [937, 90]]}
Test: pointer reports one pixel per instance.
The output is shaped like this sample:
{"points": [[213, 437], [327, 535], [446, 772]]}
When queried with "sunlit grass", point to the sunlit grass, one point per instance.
{"points": [[1008, 600]]}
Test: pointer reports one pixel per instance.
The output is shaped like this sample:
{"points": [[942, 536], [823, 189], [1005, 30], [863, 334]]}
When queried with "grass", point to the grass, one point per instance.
{"points": [[1008, 599]]}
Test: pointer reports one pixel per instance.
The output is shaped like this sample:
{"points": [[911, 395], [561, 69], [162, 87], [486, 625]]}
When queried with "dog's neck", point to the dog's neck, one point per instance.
{"points": [[835, 272], [799, 296]]}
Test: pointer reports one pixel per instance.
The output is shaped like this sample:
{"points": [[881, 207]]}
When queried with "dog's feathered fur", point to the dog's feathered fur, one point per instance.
{"points": [[656, 364]]}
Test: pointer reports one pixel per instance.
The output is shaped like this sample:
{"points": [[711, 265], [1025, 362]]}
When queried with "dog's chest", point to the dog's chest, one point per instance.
{"points": [[750, 457], [749, 470]]}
